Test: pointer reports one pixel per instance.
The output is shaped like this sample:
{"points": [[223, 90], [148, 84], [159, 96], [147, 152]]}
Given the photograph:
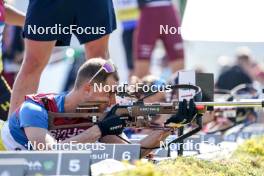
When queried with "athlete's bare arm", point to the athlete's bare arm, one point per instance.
{"points": [[14, 16], [42, 136], [153, 141]]}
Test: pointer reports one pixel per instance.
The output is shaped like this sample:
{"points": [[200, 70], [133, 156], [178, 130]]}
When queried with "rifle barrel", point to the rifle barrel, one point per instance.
{"points": [[162, 108], [244, 104]]}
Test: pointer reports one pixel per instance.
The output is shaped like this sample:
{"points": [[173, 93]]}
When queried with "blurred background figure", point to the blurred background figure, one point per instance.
{"points": [[258, 72], [11, 16], [225, 63], [128, 14], [158, 20], [260, 75], [13, 50], [240, 73]]}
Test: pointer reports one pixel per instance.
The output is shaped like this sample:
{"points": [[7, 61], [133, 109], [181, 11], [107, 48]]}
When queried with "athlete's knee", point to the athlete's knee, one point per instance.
{"points": [[37, 55], [97, 48], [93, 52], [32, 65], [96, 51]]}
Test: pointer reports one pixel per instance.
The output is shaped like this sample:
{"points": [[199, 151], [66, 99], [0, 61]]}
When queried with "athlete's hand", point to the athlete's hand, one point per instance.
{"points": [[185, 114], [112, 124]]}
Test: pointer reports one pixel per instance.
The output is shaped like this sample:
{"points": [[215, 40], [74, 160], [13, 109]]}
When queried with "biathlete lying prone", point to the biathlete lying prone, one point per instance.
{"points": [[29, 123]]}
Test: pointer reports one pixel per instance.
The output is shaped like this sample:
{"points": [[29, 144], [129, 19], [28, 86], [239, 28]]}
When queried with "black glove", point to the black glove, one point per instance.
{"points": [[112, 124], [184, 115]]}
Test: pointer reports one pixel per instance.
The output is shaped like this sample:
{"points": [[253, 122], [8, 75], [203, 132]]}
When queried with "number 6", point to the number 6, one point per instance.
{"points": [[126, 156]]}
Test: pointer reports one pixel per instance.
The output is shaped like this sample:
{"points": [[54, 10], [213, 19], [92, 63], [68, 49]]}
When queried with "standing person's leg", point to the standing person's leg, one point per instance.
{"points": [[37, 54], [39, 43], [97, 48], [144, 40], [127, 38], [173, 42]]}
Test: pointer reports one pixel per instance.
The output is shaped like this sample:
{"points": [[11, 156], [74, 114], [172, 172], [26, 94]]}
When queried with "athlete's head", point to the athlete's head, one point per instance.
{"points": [[94, 80]]}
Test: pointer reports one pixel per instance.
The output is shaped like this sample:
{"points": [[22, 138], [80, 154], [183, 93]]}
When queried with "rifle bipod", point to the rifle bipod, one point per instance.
{"points": [[182, 136]]}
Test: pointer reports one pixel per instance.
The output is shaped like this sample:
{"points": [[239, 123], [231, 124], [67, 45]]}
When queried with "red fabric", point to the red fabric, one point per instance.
{"points": [[38, 98], [51, 106], [2, 11], [58, 134]]}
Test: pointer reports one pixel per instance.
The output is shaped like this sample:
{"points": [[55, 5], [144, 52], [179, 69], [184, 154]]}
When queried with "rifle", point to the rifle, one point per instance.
{"points": [[140, 114], [134, 113]]}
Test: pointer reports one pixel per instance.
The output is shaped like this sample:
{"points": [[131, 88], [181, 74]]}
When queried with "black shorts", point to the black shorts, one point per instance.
{"points": [[88, 20]]}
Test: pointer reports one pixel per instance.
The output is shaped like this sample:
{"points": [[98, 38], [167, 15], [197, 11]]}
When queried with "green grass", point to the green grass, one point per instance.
{"points": [[247, 160]]}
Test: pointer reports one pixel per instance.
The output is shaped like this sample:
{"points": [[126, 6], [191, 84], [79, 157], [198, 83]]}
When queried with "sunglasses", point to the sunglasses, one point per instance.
{"points": [[108, 67]]}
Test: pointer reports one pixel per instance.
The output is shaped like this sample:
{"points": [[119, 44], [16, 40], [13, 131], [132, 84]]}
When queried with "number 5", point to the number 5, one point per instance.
{"points": [[74, 165]]}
